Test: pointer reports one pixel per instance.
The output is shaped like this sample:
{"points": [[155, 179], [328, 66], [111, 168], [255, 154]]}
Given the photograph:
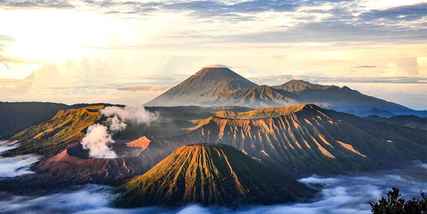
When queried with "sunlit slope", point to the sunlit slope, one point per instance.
{"points": [[219, 86], [55, 134], [210, 174], [306, 139]]}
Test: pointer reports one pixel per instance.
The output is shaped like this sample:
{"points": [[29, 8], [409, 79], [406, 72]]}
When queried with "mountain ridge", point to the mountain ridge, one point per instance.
{"points": [[210, 175], [217, 86], [220, 86], [293, 136]]}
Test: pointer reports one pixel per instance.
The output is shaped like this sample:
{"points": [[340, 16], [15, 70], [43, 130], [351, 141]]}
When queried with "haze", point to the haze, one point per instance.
{"points": [[116, 51]]}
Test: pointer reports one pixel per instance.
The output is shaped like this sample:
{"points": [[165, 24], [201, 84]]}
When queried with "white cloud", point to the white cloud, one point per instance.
{"points": [[386, 4], [98, 138], [97, 141], [137, 115]]}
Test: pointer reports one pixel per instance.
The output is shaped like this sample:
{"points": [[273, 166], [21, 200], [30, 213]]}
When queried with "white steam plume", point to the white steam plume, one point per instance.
{"points": [[137, 115], [99, 137], [97, 141]]}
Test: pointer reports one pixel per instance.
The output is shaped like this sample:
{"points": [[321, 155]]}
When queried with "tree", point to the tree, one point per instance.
{"points": [[395, 204]]}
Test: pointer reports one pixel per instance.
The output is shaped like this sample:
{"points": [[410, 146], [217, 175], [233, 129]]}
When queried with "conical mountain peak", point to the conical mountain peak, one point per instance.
{"points": [[210, 174], [215, 86]]}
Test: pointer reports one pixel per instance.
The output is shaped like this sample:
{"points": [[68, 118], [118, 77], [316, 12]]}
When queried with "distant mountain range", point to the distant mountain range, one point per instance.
{"points": [[17, 116], [220, 86]]}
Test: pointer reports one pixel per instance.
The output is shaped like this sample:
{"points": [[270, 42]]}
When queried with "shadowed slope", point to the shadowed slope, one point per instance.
{"points": [[342, 99], [16, 116], [305, 139], [210, 175]]}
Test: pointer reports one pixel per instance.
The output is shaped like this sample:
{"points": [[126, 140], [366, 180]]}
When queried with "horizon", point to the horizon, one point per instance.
{"points": [[363, 85], [321, 106], [92, 50]]}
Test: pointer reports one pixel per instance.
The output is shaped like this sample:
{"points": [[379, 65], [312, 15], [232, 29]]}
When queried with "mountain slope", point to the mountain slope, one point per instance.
{"points": [[16, 116], [405, 121], [217, 86], [341, 99], [49, 137], [73, 166], [220, 86], [260, 96], [306, 139], [210, 174]]}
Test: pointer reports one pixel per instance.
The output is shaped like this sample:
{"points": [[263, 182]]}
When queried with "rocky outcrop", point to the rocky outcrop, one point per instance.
{"points": [[141, 143]]}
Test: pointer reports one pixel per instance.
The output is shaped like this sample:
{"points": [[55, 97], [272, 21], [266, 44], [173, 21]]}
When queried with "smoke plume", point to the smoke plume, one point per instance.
{"points": [[97, 141], [137, 115], [99, 137]]}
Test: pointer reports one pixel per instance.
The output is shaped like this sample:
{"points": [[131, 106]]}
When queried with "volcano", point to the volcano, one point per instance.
{"points": [[305, 139], [218, 86], [74, 166], [49, 137], [210, 175], [343, 99]]}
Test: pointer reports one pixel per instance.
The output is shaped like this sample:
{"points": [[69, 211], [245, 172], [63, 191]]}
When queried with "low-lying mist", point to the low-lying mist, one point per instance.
{"points": [[15, 166], [340, 195]]}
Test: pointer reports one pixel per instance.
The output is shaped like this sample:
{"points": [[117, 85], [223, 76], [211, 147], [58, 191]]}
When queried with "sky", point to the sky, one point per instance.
{"points": [[128, 51]]}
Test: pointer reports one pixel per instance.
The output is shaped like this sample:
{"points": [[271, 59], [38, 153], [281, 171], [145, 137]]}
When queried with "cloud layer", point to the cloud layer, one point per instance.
{"points": [[341, 194]]}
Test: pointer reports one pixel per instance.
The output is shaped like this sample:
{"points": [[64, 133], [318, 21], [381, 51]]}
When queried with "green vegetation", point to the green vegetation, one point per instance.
{"points": [[393, 203]]}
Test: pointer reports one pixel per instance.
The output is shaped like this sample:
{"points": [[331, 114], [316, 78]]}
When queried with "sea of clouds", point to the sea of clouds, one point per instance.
{"points": [[15, 166], [340, 195]]}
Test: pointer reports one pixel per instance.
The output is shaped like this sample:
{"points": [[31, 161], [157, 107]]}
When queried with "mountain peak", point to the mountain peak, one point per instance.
{"points": [[218, 72], [212, 85], [300, 85], [216, 66], [210, 174]]}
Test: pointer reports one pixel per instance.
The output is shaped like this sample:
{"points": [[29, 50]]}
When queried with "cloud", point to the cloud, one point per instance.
{"points": [[280, 79], [15, 166], [407, 12], [36, 3], [270, 20], [339, 194], [99, 138], [136, 115], [150, 88], [365, 66], [97, 141]]}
